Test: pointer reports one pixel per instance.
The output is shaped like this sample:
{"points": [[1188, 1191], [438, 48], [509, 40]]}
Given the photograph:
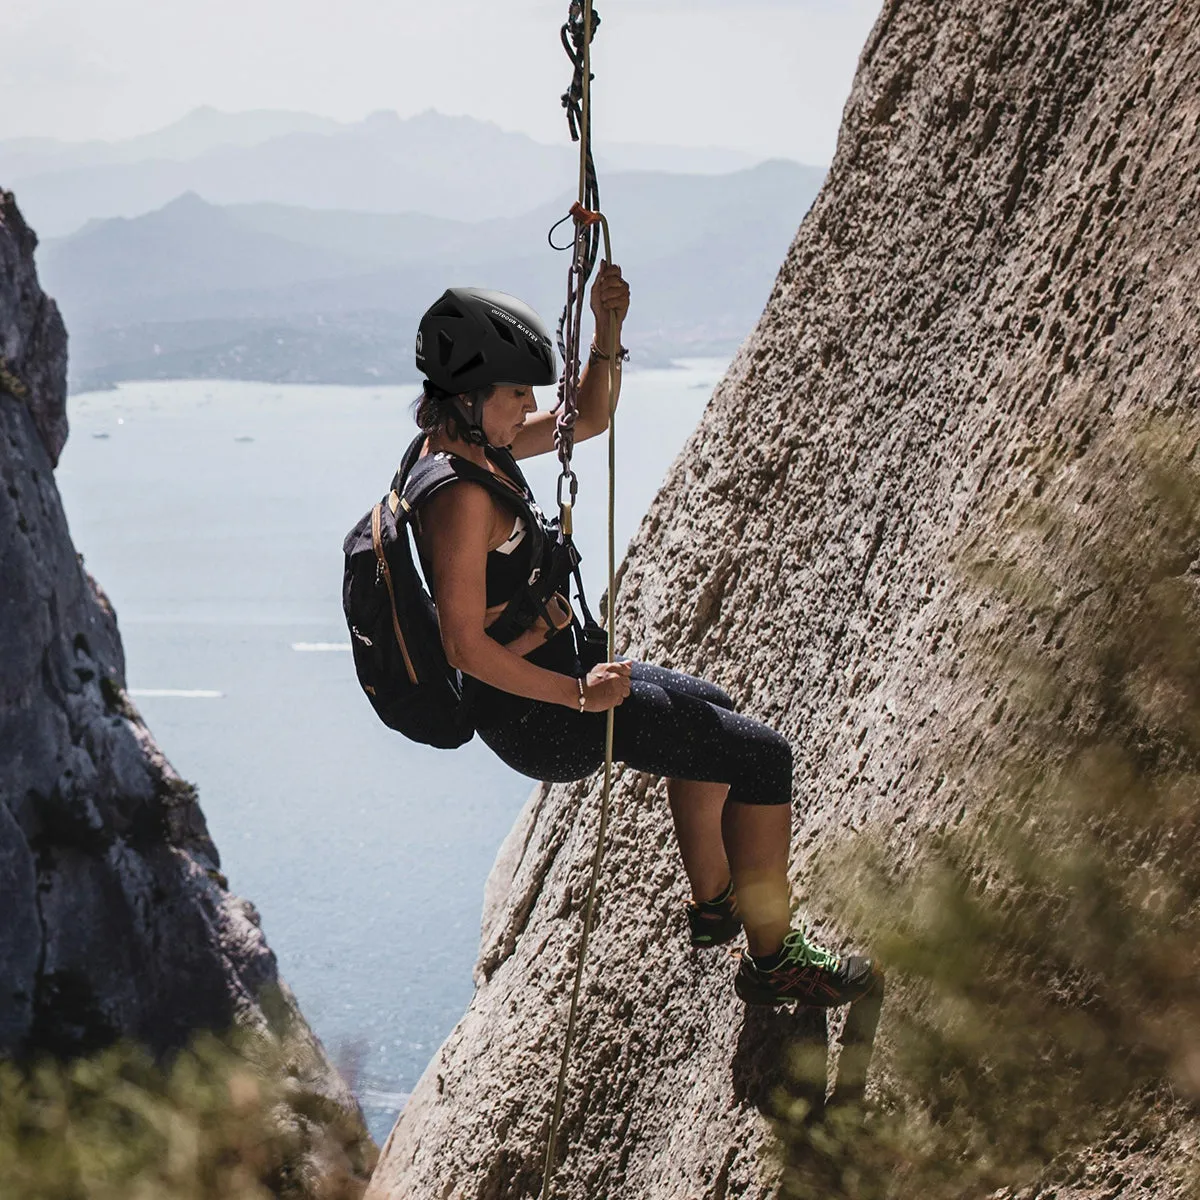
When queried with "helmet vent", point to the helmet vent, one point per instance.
{"points": [[445, 346], [503, 330], [476, 360], [447, 308]]}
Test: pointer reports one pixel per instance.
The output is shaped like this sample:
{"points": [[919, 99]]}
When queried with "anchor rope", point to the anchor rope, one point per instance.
{"points": [[576, 35], [590, 227]]}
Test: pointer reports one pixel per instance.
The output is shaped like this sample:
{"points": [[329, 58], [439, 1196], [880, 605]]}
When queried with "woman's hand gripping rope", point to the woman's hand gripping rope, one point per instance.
{"points": [[609, 295], [606, 686]]}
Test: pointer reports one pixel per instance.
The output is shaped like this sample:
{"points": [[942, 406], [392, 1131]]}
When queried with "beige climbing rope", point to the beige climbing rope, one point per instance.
{"points": [[583, 219]]}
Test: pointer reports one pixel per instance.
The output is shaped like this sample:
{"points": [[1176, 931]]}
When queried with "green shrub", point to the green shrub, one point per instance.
{"points": [[1043, 955], [216, 1123]]}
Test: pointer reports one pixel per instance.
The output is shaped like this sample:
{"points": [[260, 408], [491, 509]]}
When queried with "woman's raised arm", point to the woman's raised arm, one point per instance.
{"points": [[610, 294]]}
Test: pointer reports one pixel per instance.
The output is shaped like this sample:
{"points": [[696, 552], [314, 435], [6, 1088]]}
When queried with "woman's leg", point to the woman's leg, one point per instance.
{"points": [[681, 684], [671, 731], [757, 839], [720, 839], [675, 725], [729, 782], [696, 810]]}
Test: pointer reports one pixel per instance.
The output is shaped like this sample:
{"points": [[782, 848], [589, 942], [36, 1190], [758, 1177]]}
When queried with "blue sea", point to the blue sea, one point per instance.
{"points": [[213, 513]]}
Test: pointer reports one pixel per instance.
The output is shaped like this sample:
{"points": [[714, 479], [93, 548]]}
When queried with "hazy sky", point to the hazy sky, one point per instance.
{"points": [[768, 76]]}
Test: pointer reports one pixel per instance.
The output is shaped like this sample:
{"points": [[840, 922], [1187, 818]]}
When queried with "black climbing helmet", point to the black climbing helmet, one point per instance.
{"points": [[472, 338]]}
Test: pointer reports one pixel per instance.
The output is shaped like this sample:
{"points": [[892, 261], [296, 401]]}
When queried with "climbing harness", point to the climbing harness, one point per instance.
{"points": [[590, 224]]}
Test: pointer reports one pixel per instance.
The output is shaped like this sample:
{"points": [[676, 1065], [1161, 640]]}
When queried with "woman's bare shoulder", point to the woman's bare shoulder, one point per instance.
{"points": [[464, 514], [464, 499]]}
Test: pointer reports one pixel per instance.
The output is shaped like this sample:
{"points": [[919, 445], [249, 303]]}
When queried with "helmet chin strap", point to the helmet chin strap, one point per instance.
{"points": [[471, 415]]}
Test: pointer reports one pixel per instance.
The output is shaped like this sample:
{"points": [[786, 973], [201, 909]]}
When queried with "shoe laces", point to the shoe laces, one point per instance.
{"points": [[798, 950]]}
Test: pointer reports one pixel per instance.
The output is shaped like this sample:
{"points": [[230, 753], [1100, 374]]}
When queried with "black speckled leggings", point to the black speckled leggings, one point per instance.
{"points": [[670, 724]]}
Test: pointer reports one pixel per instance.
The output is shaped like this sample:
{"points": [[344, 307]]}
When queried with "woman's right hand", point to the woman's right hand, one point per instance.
{"points": [[606, 686]]}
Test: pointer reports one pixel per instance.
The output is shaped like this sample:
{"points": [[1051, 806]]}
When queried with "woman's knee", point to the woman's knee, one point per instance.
{"points": [[782, 767], [767, 765]]}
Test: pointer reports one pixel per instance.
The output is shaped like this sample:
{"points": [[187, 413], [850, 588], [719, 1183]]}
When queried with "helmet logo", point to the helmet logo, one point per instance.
{"points": [[511, 320], [420, 345]]}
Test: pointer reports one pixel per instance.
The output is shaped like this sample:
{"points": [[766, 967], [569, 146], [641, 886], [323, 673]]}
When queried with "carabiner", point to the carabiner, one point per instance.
{"points": [[567, 474]]}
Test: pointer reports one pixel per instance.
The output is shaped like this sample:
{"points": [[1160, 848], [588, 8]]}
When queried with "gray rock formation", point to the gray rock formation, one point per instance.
{"points": [[1003, 265], [116, 919]]}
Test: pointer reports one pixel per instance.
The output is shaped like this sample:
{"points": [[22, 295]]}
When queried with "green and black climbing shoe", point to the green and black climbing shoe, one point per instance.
{"points": [[805, 972], [714, 922]]}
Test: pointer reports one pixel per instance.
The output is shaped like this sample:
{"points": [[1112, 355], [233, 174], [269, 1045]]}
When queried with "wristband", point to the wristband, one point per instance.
{"points": [[582, 697], [595, 354]]}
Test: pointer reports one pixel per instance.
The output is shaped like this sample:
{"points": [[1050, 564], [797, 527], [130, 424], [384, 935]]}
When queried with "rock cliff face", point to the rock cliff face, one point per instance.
{"points": [[1003, 265], [116, 919]]}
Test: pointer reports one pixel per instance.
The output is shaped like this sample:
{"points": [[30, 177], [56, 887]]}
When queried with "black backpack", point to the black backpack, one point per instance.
{"points": [[394, 633]]}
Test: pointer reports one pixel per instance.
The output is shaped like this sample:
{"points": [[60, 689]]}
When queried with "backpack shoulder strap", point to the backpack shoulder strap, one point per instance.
{"points": [[416, 483], [464, 469], [503, 458], [427, 477], [410, 459]]}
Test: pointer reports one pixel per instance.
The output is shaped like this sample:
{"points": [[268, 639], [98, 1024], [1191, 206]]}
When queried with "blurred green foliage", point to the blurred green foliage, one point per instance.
{"points": [[1043, 953], [224, 1120]]}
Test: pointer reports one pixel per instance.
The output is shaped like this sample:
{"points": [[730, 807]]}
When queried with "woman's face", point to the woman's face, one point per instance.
{"points": [[505, 410]]}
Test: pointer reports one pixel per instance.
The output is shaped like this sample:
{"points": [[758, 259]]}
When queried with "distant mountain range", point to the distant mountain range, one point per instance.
{"points": [[288, 246], [281, 292], [458, 167], [201, 130]]}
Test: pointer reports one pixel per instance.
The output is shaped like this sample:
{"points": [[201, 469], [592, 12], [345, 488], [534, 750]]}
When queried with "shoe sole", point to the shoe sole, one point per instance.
{"points": [[709, 943], [764, 998]]}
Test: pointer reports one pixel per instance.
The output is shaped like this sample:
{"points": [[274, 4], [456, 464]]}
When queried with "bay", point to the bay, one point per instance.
{"points": [[212, 513]]}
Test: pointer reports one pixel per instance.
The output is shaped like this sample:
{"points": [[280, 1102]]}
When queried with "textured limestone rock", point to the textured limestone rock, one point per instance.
{"points": [[1002, 267], [115, 918]]}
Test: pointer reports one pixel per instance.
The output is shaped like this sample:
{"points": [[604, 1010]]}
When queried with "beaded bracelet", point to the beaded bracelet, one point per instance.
{"points": [[582, 697], [595, 354]]}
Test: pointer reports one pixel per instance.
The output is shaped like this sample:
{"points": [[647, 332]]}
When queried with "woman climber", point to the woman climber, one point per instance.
{"points": [[538, 699]]}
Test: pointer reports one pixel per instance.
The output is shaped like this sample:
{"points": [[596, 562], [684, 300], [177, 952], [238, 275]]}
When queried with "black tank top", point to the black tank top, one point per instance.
{"points": [[508, 566]]}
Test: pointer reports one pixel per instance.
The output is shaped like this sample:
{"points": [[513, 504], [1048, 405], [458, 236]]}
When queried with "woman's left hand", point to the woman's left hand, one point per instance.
{"points": [[610, 294]]}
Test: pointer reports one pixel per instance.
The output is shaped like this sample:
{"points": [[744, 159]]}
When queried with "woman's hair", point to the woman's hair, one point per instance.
{"points": [[434, 408]]}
